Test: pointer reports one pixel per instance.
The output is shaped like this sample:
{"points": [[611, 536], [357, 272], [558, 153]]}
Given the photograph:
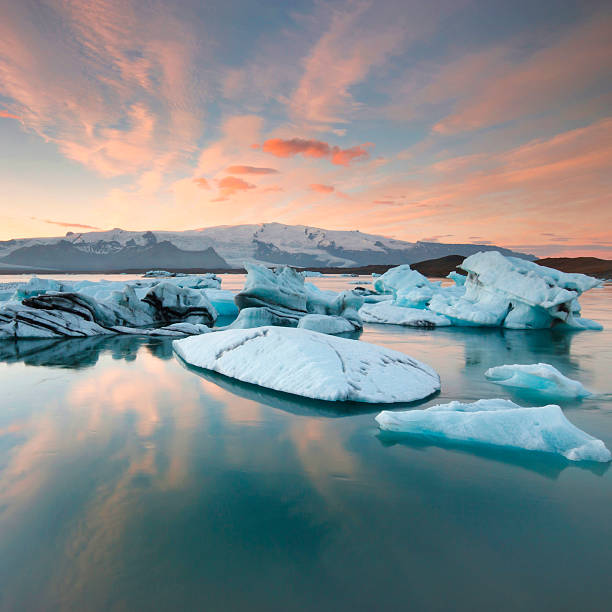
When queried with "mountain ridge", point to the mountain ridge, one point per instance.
{"points": [[227, 246]]}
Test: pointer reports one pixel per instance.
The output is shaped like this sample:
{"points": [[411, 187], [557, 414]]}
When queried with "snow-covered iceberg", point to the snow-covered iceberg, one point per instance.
{"points": [[285, 298], [515, 293], [500, 423], [311, 364], [384, 312], [541, 378]]}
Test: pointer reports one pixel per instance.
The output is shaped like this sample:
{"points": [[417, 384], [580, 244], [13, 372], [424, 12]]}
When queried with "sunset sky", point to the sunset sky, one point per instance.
{"points": [[457, 120]]}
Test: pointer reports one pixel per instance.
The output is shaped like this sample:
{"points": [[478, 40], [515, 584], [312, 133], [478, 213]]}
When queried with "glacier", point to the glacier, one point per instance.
{"points": [[311, 364], [541, 378], [499, 423]]}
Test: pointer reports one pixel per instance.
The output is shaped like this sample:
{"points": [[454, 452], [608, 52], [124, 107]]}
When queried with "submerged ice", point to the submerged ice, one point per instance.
{"points": [[311, 364], [500, 423]]}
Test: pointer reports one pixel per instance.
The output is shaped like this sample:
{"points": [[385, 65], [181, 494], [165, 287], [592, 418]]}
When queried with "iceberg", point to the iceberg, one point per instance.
{"points": [[383, 312], [286, 298], [514, 293], [500, 423], [311, 364], [77, 314], [541, 378]]}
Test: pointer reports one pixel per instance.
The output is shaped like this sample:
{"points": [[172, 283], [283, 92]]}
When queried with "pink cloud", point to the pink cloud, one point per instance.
{"points": [[66, 224], [321, 188], [229, 185], [317, 149], [251, 170]]}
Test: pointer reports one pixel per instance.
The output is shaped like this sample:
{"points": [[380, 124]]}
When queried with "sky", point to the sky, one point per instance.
{"points": [[450, 120]]}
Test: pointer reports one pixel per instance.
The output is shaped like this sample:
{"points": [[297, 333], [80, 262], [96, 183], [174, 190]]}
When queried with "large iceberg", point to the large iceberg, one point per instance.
{"points": [[282, 298], [311, 364], [541, 378], [112, 311], [501, 423], [384, 312], [498, 291], [515, 293]]}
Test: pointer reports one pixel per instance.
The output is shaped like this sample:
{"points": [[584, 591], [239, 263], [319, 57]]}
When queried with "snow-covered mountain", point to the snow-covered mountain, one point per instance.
{"points": [[227, 246]]}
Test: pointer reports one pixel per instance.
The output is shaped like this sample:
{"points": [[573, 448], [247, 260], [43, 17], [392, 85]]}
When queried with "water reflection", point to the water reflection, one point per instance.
{"points": [[545, 464], [78, 353]]}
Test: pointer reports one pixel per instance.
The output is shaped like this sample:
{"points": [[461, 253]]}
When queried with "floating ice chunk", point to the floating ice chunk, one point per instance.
{"points": [[514, 293], [501, 423], [287, 298], [264, 287], [311, 274], [384, 312], [538, 377], [310, 364], [327, 324], [73, 314]]}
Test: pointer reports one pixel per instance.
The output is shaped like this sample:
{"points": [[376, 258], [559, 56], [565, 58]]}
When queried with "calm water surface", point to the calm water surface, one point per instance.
{"points": [[128, 482]]}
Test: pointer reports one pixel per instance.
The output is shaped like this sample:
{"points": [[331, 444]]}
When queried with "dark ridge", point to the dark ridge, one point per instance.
{"points": [[593, 266]]}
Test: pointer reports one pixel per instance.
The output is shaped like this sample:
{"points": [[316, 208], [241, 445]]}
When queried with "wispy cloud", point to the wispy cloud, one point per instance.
{"points": [[251, 170]]}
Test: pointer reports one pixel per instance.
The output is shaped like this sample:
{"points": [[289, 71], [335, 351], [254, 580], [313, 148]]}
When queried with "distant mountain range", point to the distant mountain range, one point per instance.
{"points": [[220, 248]]}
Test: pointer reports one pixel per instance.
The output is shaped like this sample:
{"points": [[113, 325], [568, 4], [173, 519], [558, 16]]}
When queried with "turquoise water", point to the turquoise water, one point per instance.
{"points": [[128, 482]]}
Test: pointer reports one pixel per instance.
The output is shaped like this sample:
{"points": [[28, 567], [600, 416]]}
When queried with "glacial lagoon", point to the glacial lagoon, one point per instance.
{"points": [[129, 481]]}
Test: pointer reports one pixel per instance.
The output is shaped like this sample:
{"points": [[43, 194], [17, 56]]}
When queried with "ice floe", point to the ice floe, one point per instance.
{"points": [[311, 364], [384, 312], [541, 378], [500, 423]]}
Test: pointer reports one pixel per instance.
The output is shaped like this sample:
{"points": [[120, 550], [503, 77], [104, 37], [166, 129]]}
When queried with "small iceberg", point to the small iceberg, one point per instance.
{"points": [[311, 364], [384, 312], [281, 297], [501, 423], [541, 378]]}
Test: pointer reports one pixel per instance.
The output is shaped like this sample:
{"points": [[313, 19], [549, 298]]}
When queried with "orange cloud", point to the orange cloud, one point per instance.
{"points": [[229, 185], [251, 170], [201, 182], [321, 188], [317, 149], [8, 115]]}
